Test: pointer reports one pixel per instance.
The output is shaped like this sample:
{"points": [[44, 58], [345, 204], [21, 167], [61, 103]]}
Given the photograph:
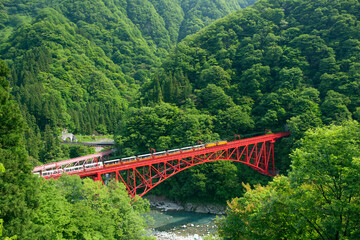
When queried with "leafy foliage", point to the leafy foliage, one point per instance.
{"points": [[74, 209], [279, 65], [163, 127], [319, 199], [34, 208], [17, 193], [269, 57], [78, 64]]}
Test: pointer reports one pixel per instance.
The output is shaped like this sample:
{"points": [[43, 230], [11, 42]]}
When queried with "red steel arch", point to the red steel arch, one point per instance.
{"points": [[141, 176]]}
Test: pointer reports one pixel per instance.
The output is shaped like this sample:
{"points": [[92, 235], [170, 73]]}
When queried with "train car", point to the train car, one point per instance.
{"points": [[128, 159], [159, 154], [213, 144], [200, 146], [173, 151], [51, 172], [75, 168], [187, 149], [48, 173], [115, 162], [93, 165], [112, 163], [144, 156]]}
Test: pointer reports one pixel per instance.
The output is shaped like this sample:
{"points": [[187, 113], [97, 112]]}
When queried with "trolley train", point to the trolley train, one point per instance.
{"points": [[115, 162]]}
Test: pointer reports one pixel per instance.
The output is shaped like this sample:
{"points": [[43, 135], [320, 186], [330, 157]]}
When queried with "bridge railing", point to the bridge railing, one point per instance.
{"points": [[94, 161], [70, 164]]}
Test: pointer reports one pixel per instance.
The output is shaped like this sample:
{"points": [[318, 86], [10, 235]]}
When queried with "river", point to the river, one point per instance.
{"points": [[181, 225]]}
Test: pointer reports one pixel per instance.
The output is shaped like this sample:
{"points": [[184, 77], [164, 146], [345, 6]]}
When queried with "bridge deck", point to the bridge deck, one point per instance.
{"points": [[142, 173], [151, 160], [161, 159]]}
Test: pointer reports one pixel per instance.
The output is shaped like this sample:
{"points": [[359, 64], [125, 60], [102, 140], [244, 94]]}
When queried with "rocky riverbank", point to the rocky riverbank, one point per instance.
{"points": [[173, 236], [164, 204]]}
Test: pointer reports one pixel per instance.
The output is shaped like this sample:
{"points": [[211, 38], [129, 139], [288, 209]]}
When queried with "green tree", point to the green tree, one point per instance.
{"points": [[234, 120], [51, 149], [18, 194], [71, 208], [214, 75], [254, 80], [290, 78], [334, 108], [319, 199], [213, 98], [306, 112], [142, 128], [101, 129], [2, 169]]}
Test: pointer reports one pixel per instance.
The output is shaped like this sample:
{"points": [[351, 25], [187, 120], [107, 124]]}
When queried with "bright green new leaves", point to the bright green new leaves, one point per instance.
{"points": [[71, 208], [234, 120], [327, 163], [261, 213], [319, 200]]}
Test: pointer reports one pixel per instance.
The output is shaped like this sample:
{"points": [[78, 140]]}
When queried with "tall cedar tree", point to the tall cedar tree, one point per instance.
{"points": [[17, 191]]}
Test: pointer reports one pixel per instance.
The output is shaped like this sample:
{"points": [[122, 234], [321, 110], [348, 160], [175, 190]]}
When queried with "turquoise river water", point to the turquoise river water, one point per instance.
{"points": [[182, 223]]}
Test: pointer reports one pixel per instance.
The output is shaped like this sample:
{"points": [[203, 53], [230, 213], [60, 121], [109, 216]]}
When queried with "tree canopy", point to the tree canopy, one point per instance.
{"points": [[269, 57], [79, 64], [318, 200], [69, 208], [131, 68]]}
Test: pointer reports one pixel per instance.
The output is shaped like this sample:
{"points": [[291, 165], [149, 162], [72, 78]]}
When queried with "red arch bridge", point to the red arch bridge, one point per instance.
{"points": [[142, 173]]}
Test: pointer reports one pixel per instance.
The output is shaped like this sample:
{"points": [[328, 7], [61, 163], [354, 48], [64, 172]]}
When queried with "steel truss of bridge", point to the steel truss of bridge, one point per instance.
{"points": [[141, 175]]}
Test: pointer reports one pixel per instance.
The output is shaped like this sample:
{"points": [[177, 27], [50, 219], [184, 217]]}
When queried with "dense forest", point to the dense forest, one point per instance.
{"points": [[79, 64], [31, 208], [280, 65], [168, 73], [277, 60], [319, 199]]}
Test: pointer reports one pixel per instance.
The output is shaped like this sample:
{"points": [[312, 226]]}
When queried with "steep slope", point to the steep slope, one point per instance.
{"points": [[132, 33], [101, 22], [70, 59], [287, 61], [61, 79], [54, 68], [199, 14], [280, 65], [77, 64]]}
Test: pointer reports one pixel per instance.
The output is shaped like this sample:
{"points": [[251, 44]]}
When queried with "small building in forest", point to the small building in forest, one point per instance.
{"points": [[68, 137]]}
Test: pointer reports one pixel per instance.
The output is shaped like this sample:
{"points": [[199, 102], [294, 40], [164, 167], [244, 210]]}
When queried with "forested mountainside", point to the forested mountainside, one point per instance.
{"points": [[32, 208], [78, 64], [294, 62], [280, 65], [119, 66]]}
